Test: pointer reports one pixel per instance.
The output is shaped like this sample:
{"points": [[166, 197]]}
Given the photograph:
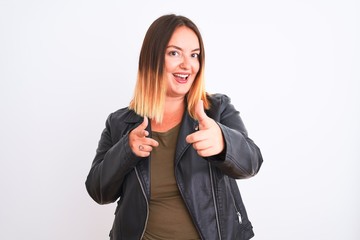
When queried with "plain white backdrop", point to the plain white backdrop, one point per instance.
{"points": [[291, 68]]}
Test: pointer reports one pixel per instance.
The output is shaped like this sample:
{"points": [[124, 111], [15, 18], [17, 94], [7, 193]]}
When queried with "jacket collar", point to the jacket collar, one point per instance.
{"points": [[132, 117]]}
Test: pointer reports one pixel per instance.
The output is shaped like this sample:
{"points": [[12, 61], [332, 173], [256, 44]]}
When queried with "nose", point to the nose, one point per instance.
{"points": [[185, 63]]}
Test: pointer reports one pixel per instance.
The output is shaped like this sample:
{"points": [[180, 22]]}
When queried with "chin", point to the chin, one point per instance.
{"points": [[177, 94]]}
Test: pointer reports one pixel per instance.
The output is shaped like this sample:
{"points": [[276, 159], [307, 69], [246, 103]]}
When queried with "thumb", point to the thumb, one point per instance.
{"points": [[200, 113], [141, 128], [145, 123]]}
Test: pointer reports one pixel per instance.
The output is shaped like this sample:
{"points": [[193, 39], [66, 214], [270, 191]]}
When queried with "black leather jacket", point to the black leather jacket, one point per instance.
{"points": [[207, 185]]}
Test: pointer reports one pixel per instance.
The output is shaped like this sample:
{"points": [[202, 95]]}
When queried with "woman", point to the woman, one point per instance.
{"points": [[172, 156]]}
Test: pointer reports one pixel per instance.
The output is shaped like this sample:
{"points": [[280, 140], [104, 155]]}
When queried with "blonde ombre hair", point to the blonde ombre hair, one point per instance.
{"points": [[150, 88]]}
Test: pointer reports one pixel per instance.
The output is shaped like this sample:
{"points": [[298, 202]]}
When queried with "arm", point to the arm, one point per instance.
{"points": [[113, 160], [240, 158]]}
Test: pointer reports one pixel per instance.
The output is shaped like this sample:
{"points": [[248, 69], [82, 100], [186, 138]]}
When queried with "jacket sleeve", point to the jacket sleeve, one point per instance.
{"points": [[241, 157], [113, 160]]}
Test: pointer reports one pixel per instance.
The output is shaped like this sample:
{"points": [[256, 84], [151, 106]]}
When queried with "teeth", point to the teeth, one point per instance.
{"points": [[182, 75]]}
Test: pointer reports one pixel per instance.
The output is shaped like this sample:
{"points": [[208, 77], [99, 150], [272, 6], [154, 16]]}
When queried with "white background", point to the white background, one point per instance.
{"points": [[290, 67]]}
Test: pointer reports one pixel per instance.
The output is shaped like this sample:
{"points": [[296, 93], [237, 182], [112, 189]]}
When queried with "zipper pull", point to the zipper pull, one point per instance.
{"points": [[239, 216]]}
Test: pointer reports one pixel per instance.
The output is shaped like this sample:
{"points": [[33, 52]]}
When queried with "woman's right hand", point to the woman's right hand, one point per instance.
{"points": [[139, 143]]}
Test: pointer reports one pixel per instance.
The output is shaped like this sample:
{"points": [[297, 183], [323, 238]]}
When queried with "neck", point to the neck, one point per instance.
{"points": [[173, 105], [174, 110]]}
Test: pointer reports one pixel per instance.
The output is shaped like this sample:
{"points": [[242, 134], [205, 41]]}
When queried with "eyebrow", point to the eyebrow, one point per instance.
{"points": [[179, 48]]}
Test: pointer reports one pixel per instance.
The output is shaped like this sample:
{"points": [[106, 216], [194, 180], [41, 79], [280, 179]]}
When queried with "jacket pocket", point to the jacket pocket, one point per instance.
{"points": [[236, 208]]}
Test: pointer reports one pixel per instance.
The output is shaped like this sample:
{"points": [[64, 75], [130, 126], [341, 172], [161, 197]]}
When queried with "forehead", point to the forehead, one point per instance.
{"points": [[184, 37]]}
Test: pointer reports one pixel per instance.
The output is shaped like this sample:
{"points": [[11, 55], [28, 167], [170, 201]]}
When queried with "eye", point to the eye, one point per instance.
{"points": [[174, 53], [195, 55]]}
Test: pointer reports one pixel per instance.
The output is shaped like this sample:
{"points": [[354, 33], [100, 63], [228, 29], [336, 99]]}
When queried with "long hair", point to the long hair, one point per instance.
{"points": [[150, 88]]}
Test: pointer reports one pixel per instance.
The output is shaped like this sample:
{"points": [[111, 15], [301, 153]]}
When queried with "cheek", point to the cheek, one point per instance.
{"points": [[196, 67], [170, 65]]}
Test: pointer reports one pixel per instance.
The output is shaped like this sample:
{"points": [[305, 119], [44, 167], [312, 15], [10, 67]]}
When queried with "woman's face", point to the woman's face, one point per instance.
{"points": [[181, 61]]}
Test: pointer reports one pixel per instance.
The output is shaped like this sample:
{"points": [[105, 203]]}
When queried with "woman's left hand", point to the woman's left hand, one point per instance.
{"points": [[208, 141]]}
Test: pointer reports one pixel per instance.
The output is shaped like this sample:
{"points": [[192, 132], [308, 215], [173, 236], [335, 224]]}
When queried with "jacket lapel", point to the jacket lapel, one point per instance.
{"points": [[144, 165], [188, 126]]}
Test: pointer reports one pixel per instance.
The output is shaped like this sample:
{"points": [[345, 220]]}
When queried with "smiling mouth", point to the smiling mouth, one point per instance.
{"points": [[181, 77]]}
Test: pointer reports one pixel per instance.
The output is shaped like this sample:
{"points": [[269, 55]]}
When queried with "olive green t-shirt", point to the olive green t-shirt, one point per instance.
{"points": [[168, 216]]}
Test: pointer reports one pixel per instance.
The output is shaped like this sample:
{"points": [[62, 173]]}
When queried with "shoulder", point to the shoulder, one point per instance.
{"points": [[120, 122], [220, 105], [218, 99], [123, 115]]}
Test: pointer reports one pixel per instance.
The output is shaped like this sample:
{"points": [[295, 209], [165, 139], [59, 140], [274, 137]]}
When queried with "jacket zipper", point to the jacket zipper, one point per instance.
{"points": [[186, 204], [236, 209], [214, 198], [147, 203]]}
